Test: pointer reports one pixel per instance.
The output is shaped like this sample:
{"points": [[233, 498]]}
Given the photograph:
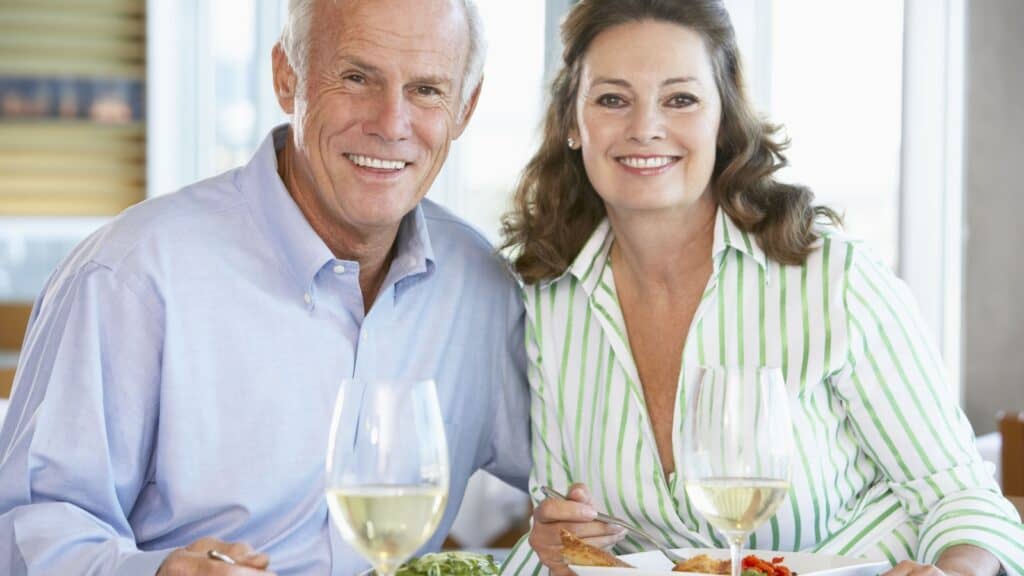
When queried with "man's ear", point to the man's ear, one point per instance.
{"points": [[468, 110], [285, 80]]}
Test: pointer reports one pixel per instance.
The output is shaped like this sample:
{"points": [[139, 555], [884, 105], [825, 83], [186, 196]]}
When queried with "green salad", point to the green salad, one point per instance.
{"points": [[450, 564]]}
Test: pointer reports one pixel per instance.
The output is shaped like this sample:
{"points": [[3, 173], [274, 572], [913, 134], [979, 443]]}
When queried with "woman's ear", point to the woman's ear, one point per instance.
{"points": [[573, 141]]}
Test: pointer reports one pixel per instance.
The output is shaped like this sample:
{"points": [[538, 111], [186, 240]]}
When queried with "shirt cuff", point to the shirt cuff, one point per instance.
{"points": [[978, 517]]}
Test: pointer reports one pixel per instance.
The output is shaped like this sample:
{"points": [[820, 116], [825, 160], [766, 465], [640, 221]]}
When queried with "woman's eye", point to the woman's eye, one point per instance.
{"points": [[611, 101], [682, 100]]}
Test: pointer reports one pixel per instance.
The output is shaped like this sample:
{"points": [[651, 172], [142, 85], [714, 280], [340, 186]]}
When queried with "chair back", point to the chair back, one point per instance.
{"points": [[1011, 428], [13, 319]]}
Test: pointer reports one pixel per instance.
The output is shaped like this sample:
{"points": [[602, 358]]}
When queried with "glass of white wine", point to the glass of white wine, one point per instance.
{"points": [[737, 448], [387, 468]]}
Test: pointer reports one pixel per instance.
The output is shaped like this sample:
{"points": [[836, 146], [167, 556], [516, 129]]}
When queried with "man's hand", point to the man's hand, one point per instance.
{"points": [[575, 515], [194, 560]]}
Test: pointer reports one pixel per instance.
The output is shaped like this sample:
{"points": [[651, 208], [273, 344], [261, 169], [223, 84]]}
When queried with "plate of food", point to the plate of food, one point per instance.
{"points": [[587, 560], [450, 564]]}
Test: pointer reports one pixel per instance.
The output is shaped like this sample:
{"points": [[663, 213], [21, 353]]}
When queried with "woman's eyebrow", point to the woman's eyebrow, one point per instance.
{"points": [[625, 84]]}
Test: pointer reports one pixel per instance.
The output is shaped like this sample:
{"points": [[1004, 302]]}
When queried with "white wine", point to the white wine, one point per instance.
{"points": [[387, 523], [737, 506]]}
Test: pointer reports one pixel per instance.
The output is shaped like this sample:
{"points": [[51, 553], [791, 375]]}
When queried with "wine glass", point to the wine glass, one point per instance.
{"points": [[387, 468], [737, 449]]}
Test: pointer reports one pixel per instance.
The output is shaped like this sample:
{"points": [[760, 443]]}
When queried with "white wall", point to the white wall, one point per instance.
{"points": [[994, 205]]}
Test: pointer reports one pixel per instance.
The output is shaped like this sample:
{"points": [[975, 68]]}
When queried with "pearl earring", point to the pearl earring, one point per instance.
{"points": [[571, 142]]}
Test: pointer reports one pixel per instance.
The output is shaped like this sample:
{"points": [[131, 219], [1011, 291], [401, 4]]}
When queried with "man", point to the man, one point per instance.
{"points": [[175, 389]]}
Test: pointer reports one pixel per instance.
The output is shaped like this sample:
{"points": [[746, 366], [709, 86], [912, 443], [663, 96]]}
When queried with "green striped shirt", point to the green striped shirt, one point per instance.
{"points": [[885, 464]]}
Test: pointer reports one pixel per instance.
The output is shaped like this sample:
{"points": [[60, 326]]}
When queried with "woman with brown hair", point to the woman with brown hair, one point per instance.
{"points": [[653, 239]]}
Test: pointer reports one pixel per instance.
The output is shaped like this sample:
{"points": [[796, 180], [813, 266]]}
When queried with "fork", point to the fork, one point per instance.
{"points": [[607, 519]]}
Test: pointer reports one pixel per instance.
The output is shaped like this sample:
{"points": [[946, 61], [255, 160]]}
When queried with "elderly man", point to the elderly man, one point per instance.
{"points": [[175, 389]]}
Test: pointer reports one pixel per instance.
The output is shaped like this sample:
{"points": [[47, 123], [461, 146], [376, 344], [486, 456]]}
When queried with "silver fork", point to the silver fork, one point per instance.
{"points": [[672, 556]]}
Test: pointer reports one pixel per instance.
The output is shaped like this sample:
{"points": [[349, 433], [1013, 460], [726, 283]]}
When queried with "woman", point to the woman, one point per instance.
{"points": [[653, 240]]}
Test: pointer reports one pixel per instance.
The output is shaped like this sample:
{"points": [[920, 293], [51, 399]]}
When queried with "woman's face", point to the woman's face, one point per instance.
{"points": [[647, 117]]}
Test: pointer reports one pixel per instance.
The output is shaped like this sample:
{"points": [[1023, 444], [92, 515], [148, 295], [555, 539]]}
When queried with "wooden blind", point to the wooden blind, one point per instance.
{"points": [[72, 132]]}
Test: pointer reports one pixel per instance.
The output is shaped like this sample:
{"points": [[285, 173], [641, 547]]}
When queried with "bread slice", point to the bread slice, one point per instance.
{"points": [[579, 553], [704, 564]]}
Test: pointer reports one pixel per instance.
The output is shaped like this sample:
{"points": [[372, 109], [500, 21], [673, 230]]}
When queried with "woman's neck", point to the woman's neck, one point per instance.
{"points": [[664, 251]]}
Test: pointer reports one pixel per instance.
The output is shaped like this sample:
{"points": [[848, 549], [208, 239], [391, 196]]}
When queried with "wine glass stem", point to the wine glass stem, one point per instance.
{"points": [[735, 550]]}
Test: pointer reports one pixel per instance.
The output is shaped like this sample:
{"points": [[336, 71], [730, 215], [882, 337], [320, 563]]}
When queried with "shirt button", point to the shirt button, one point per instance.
{"points": [[307, 298], [339, 269], [364, 336]]}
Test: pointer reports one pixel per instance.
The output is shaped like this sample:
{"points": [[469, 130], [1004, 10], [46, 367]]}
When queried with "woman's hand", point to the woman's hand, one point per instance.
{"points": [[575, 515], [960, 560], [909, 568]]}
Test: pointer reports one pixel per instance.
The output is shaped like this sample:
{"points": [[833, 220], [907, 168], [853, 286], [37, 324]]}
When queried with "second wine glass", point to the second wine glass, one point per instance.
{"points": [[737, 448], [387, 468]]}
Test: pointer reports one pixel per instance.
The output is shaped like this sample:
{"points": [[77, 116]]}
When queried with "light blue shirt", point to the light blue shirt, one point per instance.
{"points": [[179, 373]]}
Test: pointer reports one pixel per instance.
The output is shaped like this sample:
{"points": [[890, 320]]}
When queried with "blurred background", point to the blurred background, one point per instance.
{"points": [[905, 115]]}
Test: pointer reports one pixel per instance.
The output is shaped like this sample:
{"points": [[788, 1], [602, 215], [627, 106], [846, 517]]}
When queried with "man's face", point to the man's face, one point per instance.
{"points": [[380, 106]]}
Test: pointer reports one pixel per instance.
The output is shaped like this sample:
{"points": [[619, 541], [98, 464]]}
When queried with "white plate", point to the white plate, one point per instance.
{"points": [[652, 563]]}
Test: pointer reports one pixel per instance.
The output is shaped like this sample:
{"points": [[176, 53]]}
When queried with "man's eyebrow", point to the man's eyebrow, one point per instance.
{"points": [[625, 84], [432, 80], [361, 64], [426, 79]]}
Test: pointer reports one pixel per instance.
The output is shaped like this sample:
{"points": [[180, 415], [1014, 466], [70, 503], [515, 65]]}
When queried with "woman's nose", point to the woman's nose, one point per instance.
{"points": [[646, 124]]}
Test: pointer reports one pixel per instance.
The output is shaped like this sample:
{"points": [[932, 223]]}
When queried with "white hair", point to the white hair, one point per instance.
{"points": [[295, 43]]}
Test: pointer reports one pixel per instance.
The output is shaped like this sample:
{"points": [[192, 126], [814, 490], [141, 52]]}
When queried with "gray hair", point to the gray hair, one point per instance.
{"points": [[295, 42]]}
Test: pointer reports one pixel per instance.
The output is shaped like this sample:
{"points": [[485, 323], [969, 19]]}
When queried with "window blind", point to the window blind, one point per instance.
{"points": [[72, 130]]}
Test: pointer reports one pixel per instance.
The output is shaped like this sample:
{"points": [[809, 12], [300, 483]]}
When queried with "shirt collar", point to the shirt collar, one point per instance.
{"points": [[588, 267], [301, 249], [729, 235], [590, 262], [414, 254]]}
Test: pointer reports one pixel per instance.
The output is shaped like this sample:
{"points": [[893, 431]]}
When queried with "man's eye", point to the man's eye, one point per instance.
{"points": [[356, 78], [427, 91], [611, 101]]}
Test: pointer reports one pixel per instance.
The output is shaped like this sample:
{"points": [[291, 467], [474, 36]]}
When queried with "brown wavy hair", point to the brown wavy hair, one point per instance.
{"points": [[555, 207]]}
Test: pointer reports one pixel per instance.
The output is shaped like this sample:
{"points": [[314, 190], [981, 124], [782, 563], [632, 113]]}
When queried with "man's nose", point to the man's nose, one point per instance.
{"points": [[389, 117], [646, 123]]}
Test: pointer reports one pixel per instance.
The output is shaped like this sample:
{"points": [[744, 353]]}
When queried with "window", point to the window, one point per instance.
{"points": [[871, 94], [838, 98], [211, 97], [484, 164], [72, 129]]}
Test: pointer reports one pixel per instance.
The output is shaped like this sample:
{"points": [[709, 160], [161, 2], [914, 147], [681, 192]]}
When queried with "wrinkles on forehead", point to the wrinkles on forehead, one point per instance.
{"points": [[423, 38]]}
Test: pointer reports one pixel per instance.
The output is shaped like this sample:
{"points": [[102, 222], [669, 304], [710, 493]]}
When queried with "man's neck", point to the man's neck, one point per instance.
{"points": [[373, 250]]}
